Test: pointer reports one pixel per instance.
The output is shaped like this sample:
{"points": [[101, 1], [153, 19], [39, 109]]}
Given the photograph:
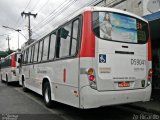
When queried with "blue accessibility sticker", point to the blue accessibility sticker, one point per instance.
{"points": [[102, 58]]}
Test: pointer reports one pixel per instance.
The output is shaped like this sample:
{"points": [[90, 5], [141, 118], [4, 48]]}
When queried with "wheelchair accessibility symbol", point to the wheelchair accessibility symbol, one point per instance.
{"points": [[102, 58]]}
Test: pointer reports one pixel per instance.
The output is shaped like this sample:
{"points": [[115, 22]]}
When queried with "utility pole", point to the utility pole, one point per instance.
{"points": [[18, 30], [8, 39], [29, 23]]}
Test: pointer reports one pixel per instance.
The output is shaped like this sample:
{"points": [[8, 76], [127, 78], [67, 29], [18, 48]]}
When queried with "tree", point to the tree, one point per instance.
{"points": [[5, 53]]}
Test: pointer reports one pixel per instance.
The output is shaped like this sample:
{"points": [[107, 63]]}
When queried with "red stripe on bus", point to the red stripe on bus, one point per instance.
{"points": [[64, 75], [149, 46], [13, 63], [88, 38], [149, 50]]}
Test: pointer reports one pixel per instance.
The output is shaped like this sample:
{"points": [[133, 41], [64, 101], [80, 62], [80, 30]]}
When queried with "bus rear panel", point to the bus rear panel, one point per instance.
{"points": [[10, 68], [118, 68]]}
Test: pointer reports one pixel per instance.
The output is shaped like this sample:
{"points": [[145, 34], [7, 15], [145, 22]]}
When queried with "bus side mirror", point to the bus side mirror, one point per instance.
{"points": [[19, 60]]}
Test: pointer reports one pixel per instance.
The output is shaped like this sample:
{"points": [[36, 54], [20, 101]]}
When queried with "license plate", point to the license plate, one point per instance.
{"points": [[123, 84]]}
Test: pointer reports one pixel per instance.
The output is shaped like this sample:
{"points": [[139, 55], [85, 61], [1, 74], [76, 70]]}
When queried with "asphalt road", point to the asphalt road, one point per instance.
{"points": [[18, 105]]}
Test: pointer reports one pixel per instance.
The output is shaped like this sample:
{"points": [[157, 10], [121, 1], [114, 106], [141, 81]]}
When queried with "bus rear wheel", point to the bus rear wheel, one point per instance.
{"points": [[47, 95], [7, 83], [1, 79]]}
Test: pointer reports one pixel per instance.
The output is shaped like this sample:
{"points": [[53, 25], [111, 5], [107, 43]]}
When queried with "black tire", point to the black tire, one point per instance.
{"points": [[7, 83], [1, 79], [23, 86], [47, 95]]}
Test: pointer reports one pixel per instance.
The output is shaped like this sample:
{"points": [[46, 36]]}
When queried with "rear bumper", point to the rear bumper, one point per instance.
{"points": [[91, 98]]}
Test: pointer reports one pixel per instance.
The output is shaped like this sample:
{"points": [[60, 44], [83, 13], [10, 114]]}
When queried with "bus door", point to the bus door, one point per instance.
{"points": [[18, 64], [27, 68]]}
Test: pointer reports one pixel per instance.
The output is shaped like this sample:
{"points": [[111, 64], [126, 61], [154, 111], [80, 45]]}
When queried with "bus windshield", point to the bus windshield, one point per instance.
{"points": [[119, 27]]}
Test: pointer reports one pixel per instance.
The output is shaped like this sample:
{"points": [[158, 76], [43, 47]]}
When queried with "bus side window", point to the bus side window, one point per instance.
{"points": [[35, 52], [29, 55], [57, 46], [40, 51], [9, 60], [65, 38], [32, 53], [45, 48], [52, 45], [75, 35], [19, 59], [26, 57], [6, 62], [23, 54]]}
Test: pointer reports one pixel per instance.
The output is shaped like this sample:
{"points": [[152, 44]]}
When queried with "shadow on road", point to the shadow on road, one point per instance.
{"points": [[12, 84]]}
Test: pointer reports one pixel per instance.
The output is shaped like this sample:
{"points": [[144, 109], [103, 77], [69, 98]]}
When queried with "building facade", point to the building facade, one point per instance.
{"points": [[139, 7]]}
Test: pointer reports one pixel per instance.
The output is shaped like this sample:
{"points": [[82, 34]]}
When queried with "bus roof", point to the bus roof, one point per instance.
{"points": [[90, 8], [96, 8]]}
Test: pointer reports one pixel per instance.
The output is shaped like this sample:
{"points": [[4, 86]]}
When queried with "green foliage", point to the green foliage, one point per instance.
{"points": [[5, 53]]}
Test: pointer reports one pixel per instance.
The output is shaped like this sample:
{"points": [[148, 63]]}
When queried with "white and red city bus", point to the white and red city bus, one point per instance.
{"points": [[10, 68], [98, 57]]}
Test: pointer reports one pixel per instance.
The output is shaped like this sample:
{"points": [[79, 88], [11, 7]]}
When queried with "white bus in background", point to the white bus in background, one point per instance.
{"points": [[10, 68], [98, 57]]}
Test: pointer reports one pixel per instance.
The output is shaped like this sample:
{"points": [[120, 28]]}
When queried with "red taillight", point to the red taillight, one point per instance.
{"points": [[149, 77], [91, 78], [150, 72]]}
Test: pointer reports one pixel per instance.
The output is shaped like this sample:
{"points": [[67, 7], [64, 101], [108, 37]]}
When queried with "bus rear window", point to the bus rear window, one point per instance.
{"points": [[119, 27]]}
